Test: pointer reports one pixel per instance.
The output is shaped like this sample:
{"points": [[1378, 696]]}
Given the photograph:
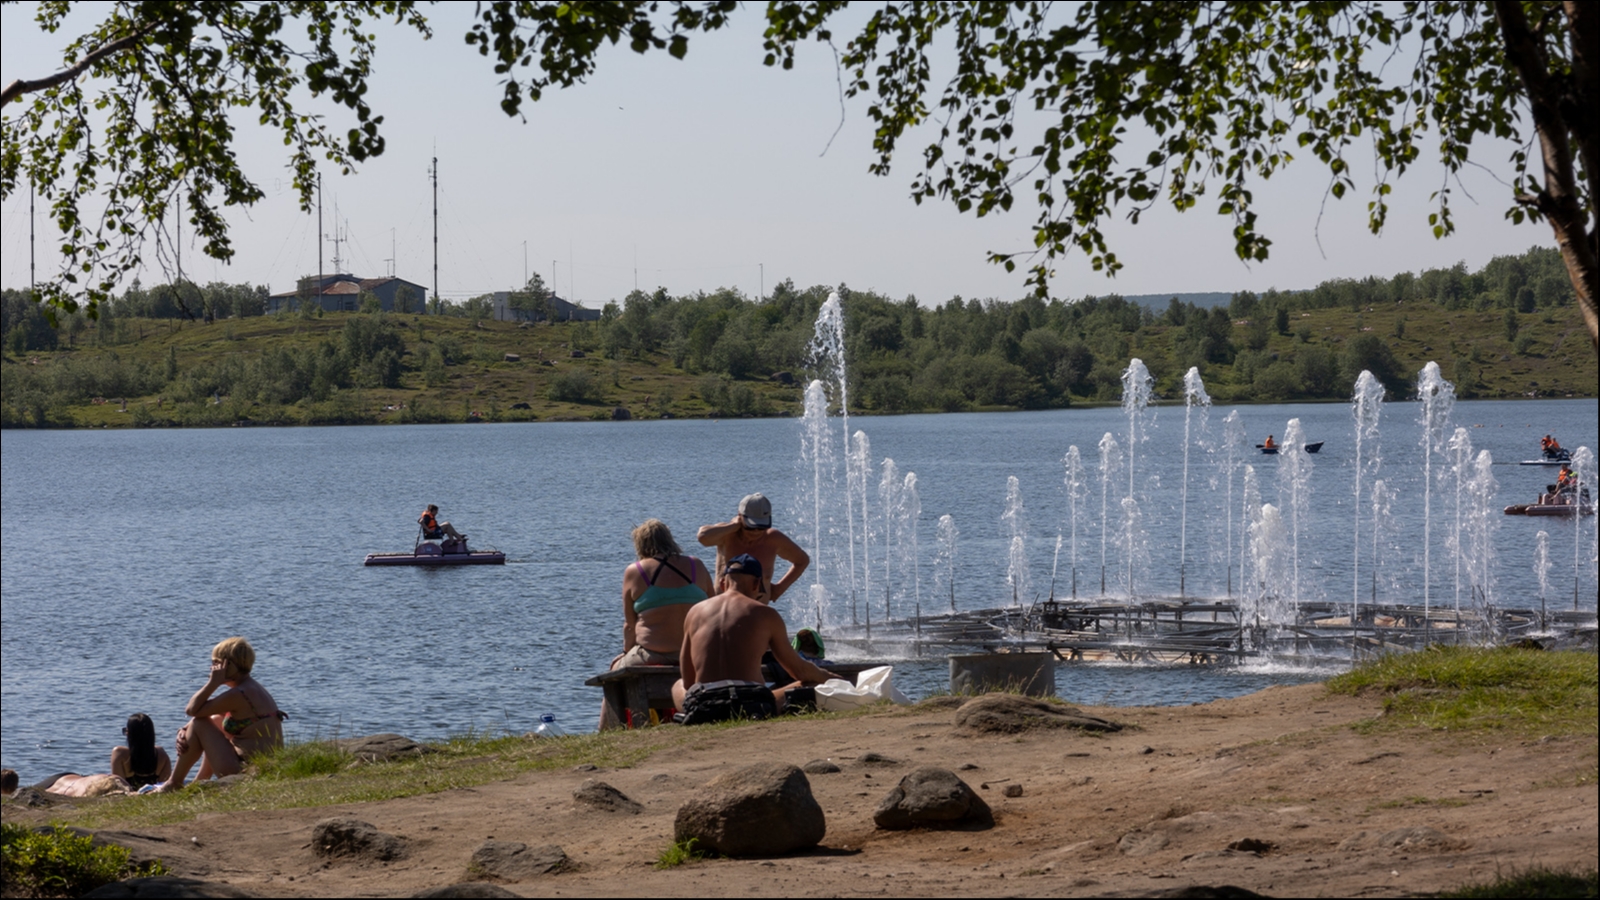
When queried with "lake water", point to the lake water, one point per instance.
{"points": [[125, 555]]}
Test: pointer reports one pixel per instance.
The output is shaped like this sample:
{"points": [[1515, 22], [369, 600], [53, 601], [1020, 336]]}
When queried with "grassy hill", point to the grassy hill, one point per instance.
{"points": [[164, 372]]}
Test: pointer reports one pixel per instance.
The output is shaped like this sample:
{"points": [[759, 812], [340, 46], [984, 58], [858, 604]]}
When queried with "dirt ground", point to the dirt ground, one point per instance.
{"points": [[1150, 809]]}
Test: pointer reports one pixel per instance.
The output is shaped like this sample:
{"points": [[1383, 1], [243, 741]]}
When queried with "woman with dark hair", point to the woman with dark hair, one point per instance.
{"points": [[141, 762]]}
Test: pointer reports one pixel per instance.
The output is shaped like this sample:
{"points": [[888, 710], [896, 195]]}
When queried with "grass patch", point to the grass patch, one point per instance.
{"points": [[1505, 689], [1535, 882], [678, 853], [318, 774], [59, 863]]}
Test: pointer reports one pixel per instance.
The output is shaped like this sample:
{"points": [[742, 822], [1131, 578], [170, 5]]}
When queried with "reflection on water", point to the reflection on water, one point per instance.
{"points": [[125, 555]]}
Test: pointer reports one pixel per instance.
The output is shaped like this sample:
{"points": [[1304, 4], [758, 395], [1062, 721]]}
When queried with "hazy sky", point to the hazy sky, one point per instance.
{"points": [[692, 174]]}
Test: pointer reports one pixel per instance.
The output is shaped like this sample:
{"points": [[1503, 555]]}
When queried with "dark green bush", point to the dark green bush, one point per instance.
{"points": [[61, 863]]}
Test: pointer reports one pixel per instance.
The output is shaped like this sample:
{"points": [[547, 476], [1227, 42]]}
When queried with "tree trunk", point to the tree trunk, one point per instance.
{"points": [[1563, 118]]}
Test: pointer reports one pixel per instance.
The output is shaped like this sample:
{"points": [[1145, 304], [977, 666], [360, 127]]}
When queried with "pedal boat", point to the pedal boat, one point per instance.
{"points": [[439, 553]]}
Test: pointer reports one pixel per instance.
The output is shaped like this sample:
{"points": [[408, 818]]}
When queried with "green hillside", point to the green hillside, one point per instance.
{"points": [[1508, 330]]}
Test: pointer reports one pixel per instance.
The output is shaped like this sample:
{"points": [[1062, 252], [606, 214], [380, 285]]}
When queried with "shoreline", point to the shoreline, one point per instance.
{"points": [[1339, 805]]}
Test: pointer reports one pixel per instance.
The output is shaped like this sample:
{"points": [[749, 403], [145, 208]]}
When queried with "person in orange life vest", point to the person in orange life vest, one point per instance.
{"points": [[432, 528], [1270, 444]]}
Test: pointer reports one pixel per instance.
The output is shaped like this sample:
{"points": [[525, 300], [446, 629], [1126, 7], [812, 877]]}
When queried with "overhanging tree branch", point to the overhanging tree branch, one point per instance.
{"points": [[17, 88]]}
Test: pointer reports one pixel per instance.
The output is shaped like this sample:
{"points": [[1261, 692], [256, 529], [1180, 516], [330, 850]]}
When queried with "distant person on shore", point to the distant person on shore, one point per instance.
{"points": [[433, 529], [751, 532], [231, 727], [658, 589], [141, 762], [724, 639]]}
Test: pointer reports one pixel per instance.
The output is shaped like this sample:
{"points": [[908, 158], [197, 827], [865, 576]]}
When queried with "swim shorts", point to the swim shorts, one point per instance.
{"points": [[720, 701]]}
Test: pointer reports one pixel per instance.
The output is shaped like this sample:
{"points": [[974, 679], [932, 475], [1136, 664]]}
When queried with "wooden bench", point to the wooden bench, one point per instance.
{"points": [[635, 691]]}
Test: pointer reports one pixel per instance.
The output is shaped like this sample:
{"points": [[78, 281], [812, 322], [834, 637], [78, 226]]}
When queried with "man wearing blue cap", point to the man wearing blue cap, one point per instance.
{"points": [[724, 639]]}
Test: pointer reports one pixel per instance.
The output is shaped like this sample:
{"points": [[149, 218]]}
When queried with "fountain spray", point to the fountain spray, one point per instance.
{"points": [[1194, 391], [1482, 520], [826, 353], [1076, 487], [947, 553], [1294, 481], [1460, 447], [1541, 569], [860, 457], [1136, 392], [1583, 468], [1233, 439], [1109, 457], [1367, 407], [1017, 552], [889, 499], [1437, 397], [910, 514]]}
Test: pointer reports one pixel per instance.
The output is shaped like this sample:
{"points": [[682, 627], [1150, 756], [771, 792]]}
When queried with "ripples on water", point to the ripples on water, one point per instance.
{"points": [[124, 556]]}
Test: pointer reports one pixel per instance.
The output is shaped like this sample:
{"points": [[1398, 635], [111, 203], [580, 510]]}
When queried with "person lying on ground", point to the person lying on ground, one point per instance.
{"points": [[71, 784], [231, 727], [723, 641], [751, 532], [141, 762], [658, 589]]}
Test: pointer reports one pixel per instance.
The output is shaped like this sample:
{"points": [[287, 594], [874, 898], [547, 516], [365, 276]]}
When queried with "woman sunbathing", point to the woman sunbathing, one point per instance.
{"points": [[231, 727]]}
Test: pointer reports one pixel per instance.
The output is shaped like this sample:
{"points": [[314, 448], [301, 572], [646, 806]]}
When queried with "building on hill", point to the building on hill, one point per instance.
{"points": [[343, 292], [561, 311]]}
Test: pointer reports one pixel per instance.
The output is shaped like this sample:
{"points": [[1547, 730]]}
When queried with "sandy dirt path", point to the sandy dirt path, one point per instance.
{"points": [[1149, 809]]}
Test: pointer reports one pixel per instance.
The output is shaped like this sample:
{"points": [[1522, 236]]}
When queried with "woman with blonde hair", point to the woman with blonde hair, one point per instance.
{"points": [[657, 590], [229, 728]]}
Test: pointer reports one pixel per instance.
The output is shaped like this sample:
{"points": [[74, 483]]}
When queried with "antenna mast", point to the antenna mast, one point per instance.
{"points": [[321, 236], [435, 176]]}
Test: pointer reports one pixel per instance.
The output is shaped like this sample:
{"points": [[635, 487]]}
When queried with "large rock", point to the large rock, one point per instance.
{"points": [[514, 861], [760, 810], [932, 798], [1012, 714], [353, 838], [166, 886], [382, 747], [596, 794]]}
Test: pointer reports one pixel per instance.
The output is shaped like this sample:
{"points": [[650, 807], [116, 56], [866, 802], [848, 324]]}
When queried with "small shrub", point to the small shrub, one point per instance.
{"points": [[1535, 882], [61, 863], [576, 386], [678, 854]]}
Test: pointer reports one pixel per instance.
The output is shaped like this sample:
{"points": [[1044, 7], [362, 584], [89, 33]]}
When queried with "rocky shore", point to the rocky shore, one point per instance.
{"points": [[1275, 793]]}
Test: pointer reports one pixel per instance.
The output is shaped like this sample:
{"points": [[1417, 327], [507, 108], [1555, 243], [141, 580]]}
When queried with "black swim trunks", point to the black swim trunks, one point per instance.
{"points": [[719, 701]]}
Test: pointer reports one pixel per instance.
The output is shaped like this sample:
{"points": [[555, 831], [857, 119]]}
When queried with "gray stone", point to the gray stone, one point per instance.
{"points": [[1012, 714], [340, 837], [382, 747], [820, 767], [1141, 843], [1013, 790], [166, 886], [598, 795], [33, 798], [467, 889], [760, 810], [1252, 845], [871, 758], [515, 861], [1418, 838], [932, 798], [620, 414]]}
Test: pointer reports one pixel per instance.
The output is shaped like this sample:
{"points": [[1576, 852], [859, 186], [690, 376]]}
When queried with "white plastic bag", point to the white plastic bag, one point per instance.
{"points": [[872, 686]]}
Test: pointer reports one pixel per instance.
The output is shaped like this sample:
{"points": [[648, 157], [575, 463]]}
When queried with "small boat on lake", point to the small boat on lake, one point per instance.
{"points": [[1553, 504], [449, 552], [1560, 457], [1273, 451]]}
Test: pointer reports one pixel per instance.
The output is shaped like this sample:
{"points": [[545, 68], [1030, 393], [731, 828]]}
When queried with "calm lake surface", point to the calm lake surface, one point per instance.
{"points": [[125, 555]]}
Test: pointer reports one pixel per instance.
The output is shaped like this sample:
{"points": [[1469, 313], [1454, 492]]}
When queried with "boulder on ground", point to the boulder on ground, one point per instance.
{"points": [[166, 886], [1011, 714], [1143, 843], [596, 794], [515, 861], [382, 747], [760, 810], [352, 838], [820, 767], [932, 798], [873, 758], [467, 889], [620, 414]]}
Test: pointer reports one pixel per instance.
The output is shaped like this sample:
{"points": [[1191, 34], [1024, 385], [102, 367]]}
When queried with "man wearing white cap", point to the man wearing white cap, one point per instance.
{"points": [[751, 532]]}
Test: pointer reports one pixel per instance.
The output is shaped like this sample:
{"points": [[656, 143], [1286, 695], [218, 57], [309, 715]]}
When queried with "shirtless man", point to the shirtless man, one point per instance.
{"points": [[723, 641], [751, 532]]}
